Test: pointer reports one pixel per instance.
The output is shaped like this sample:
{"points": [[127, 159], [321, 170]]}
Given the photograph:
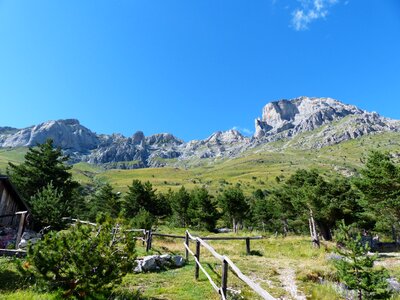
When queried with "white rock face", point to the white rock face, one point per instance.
{"points": [[301, 114], [283, 119], [67, 134]]}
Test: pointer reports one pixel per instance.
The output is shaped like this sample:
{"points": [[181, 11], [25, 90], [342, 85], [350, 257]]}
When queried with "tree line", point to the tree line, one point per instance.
{"points": [[369, 201]]}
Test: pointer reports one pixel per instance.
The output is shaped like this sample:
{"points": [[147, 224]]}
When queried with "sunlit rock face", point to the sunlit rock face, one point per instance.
{"points": [[302, 122], [301, 114]]}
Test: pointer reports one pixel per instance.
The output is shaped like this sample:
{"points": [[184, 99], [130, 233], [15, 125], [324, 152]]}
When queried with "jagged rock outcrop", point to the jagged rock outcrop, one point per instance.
{"points": [[328, 120], [220, 144], [69, 134], [301, 114], [339, 122]]}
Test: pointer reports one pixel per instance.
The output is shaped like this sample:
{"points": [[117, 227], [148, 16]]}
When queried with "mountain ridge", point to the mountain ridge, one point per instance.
{"points": [[281, 120]]}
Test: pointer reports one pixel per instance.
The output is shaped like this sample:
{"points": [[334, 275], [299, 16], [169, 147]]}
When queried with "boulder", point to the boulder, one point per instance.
{"points": [[178, 261], [149, 263]]}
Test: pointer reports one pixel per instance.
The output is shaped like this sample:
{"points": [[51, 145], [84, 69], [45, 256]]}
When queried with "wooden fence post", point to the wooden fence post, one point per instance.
{"points": [[224, 277], [196, 270], [144, 238], [20, 227], [187, 244], [149, 237], [248, 246]]}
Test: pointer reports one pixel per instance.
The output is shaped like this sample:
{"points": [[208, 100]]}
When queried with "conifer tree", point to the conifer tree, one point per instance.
{"points": [[46, 184], [234, 205], [105, 200], [203, 209], [356, 267], [43, 164], [180, 202]]}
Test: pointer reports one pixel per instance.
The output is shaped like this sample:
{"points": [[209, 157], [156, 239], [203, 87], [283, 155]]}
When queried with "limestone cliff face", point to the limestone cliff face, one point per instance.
{"points": [[68, 134], [326, 120], [301, 114]]}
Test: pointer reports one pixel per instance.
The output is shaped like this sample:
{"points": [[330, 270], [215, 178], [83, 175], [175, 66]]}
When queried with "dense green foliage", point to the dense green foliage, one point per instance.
{"points": [[202, 209], [307, 191], [379, 186], [104, 200], [234, 205], [43, 164], [49, 205], [82, 260], [356, 269], [45, 182], [180, 202]]}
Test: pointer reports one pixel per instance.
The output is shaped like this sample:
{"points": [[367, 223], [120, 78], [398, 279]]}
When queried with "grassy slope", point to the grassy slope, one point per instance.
{"points": [[275, 256], [15, 155], [256, 168]]}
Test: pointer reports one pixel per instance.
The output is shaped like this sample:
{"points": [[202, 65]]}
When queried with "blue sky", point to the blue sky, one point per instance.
{"points": [[192, 67]]}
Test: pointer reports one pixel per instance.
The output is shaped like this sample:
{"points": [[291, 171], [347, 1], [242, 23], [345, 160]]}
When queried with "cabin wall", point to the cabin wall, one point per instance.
{"points": [[8, 206]]}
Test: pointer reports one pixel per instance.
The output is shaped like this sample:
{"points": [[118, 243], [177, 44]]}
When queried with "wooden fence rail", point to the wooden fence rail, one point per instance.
{"points": [[226, 263], [210, 238]]}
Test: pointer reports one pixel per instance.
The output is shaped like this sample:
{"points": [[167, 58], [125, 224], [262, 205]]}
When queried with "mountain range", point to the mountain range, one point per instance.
{"points": [[316, 122]]}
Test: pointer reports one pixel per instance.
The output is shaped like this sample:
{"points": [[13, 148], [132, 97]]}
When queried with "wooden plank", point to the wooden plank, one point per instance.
{"points": [[2, 189], [227, 238], [187, 244], [12, 252], [148, 243], [9, 209], [202, 269], [224, 277], [79, 221], [196, 269], [169, 235], [20, 228], [254, 286], [3, 202], [211, 249]]}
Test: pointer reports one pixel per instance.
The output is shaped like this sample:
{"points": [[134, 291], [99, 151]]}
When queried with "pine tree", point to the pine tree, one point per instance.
{"points": [[83, 261], [43, 164], [46, 184], [180, 201], [203, 209], [105, 200], [379, 186], [142, 196], [234, 205], [356, 267]]}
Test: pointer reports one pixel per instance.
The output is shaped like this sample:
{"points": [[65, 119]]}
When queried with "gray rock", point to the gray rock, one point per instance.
{"points": [[138, 266], [281, 120], [149, 263], [394, 284], [178, 261]]}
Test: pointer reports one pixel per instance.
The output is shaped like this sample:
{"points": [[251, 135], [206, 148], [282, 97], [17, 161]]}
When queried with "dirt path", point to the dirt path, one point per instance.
{"points": [[288, 280]]}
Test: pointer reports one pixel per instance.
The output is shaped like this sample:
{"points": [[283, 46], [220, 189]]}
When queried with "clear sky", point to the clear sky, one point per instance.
{"points": [[192, 67]]}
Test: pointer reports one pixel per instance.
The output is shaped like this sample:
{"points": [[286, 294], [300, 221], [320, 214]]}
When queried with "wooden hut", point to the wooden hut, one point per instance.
{"points": [[11, 204], [13, 215]]}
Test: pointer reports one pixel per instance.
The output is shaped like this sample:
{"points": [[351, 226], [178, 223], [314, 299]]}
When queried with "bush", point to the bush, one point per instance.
{"points": [[143, 220], [83, 261]]}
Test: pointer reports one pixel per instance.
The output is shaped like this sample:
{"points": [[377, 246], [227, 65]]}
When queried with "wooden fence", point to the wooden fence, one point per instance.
{"points": [[226, 263], [150, 234]]}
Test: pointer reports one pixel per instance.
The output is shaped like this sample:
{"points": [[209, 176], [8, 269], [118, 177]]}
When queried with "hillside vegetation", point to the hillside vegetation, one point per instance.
{"points": [[256, 168]]}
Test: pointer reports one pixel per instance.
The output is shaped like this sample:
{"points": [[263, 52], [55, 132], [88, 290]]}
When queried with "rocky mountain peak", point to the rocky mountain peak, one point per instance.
{"points": [[300, 114], [163, 138], [281, 120], [229, 136]]}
